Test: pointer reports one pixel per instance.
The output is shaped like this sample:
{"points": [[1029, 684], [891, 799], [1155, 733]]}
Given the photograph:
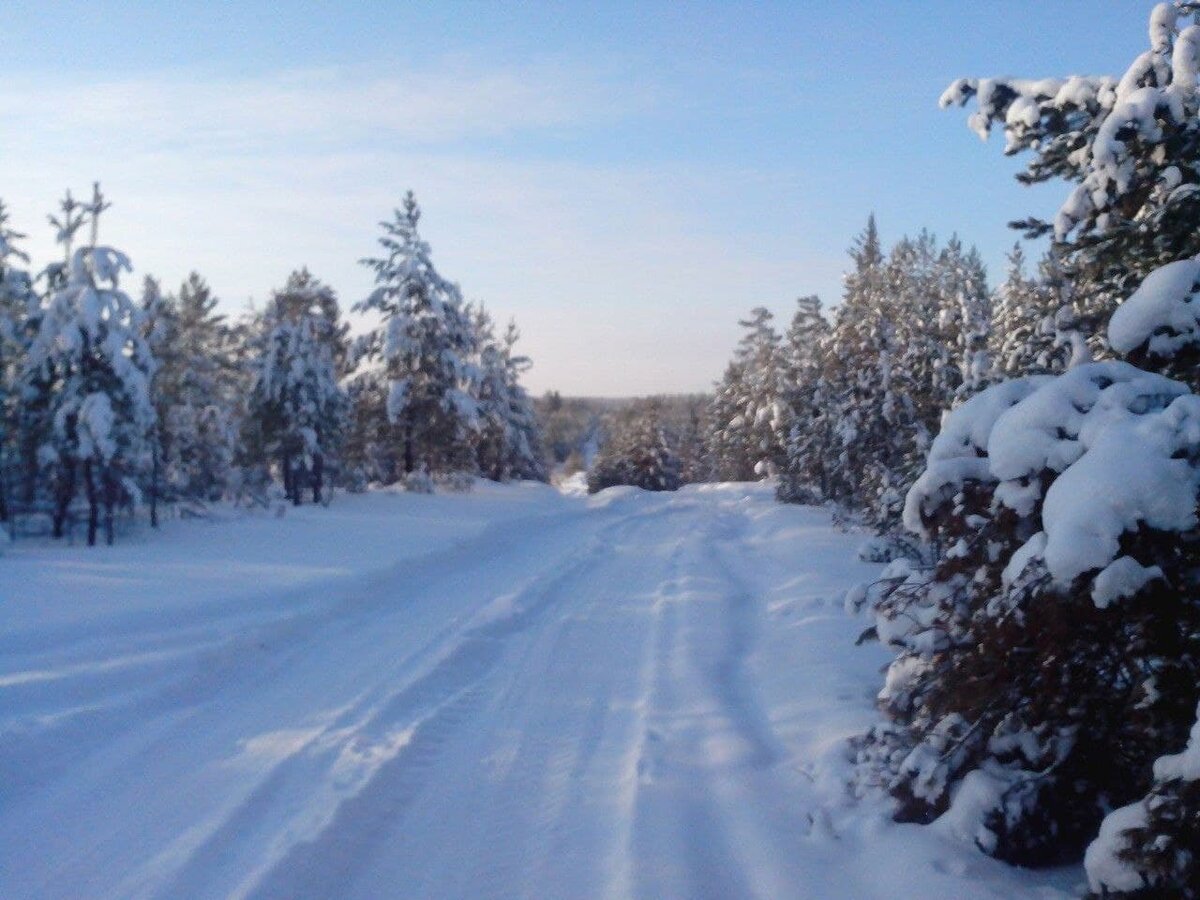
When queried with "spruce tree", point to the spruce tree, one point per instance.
{"points": [[420, 356]]}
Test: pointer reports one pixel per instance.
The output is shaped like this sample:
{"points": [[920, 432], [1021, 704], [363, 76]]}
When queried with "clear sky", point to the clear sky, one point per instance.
{"points": [[626, 179]]}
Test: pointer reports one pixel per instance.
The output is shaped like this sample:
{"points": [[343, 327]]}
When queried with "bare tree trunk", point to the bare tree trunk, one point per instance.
{"points": [[110, 502], [64, 493], [285, 466], [154, 469], [89, 483], [409, 456], [318, 476]]}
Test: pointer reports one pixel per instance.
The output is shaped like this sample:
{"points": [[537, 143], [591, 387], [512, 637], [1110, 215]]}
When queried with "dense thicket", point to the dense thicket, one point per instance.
{"points": [[107, 404]]}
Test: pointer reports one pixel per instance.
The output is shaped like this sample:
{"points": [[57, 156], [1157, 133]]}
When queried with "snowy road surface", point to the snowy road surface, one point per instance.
{"points": [[507, 694]]}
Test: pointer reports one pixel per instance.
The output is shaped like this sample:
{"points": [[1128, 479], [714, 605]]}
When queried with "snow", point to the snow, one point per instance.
{"points": [[1103, 496], [509, 693], [1105, 869], [1085, 426], [1185, 765], [1121, 578], [1161, 313], [959, 452]]}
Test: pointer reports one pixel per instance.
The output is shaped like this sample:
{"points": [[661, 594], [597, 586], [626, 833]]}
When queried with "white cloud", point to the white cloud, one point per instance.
{"points": [[328, 105]]}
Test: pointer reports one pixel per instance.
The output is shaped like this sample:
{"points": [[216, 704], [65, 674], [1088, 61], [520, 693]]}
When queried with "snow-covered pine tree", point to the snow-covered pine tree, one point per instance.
{"points": [[1052, 653], [727, 441], [919, 369], [968, 303], [1049, 654], [1022, 339], [195, 390], [1130, 145], [297, 407], [804, 429], [18, 302], [421, 352], [858, 376], [1151, 848], [747, 406], [90, 355], [509, 441]]}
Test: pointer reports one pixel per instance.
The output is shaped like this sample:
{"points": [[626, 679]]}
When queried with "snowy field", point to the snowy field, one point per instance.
{"points": [[507, 693]]}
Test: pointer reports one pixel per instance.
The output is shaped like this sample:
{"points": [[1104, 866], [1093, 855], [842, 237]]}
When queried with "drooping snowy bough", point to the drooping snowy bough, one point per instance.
{"points": [[1052, 652], [1130, 145]]}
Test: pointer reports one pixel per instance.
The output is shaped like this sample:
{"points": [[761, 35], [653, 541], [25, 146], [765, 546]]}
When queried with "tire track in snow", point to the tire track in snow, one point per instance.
{"points": [[456, 690], [258, 687], [708, 748]]}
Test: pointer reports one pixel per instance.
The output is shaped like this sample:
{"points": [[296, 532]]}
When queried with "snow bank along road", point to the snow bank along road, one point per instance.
{"points": [[511, 693]]}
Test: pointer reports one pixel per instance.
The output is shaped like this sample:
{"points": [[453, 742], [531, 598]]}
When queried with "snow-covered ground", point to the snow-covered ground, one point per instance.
{"points": [[508, 693]]}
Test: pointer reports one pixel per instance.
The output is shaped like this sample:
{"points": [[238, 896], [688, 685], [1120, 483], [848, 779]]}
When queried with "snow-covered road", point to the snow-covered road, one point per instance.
{"points": [[506, 694]]}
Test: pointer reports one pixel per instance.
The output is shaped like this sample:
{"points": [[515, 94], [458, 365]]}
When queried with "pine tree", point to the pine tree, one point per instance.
{"points": [[421, 354], [195, 391], [297, 407], [804, 428], [90, 353], [1023, 336], [1151, 848], [729, 449], [509, 441], [859, 350], [18, 303], [747, 405], [1046, 656]]}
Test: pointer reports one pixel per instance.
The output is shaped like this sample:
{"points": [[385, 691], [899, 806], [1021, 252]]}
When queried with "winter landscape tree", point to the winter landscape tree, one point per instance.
{"points": [[195, 390], [419, 359], [297, 408], [91, 358]]}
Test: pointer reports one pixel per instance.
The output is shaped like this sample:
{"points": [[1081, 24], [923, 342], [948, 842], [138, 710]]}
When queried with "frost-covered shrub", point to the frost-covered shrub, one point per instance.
{"points": [[1053, 650]]}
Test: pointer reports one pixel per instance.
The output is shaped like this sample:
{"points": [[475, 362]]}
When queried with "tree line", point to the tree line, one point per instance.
{"points": [[110, 403]]}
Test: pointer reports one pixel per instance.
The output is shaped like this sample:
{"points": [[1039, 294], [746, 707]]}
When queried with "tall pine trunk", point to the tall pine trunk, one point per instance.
{"points": [[318, 476], [89, 483], [409, 452], [110, 502], [285, 466], [64, 494], [154, 470]]}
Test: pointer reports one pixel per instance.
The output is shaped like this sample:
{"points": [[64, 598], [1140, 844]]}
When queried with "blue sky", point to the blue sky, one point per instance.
{"points": [[626, 179]]}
